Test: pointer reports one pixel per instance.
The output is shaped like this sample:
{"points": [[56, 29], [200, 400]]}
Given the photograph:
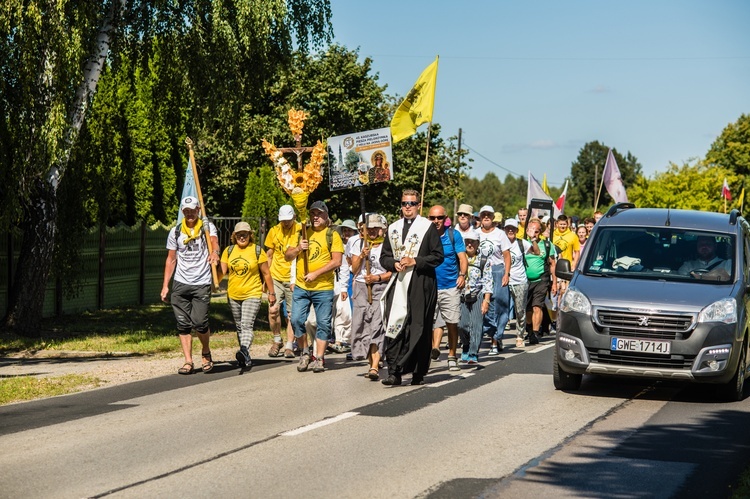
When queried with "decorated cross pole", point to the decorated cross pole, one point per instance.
{"points": [[305, 179]]}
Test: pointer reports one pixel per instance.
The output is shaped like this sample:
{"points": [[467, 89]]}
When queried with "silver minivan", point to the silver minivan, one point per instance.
{"points": [[661, 294]]}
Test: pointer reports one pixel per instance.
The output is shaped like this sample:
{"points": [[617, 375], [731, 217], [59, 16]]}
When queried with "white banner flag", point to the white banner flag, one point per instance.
{"points": [[613, 180], [535, 191]]}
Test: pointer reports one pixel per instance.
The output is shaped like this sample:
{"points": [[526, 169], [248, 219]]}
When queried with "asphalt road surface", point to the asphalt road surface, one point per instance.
{"points": [[498, 430]]}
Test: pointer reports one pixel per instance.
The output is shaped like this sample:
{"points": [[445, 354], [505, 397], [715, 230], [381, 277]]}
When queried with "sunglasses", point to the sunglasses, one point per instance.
{"points": [[436, 217], [242, 235], [469, 242], [409, 203], [464, 215]]}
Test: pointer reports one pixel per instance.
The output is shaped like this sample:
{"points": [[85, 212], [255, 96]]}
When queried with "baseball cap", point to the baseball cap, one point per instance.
{"points": [[242, 227], [486, 208], [511, 222], [498, 217], [472, 234], [286, 212], [374, 220], [190, 202], [349, 224], [465, 208], [319, 205]]}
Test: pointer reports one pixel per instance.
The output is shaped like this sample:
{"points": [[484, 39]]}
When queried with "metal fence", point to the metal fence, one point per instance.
{"points": [[120, 266]]}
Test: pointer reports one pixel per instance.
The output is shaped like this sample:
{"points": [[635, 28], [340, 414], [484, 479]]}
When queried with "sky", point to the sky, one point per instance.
{"points": [[530, 82]]}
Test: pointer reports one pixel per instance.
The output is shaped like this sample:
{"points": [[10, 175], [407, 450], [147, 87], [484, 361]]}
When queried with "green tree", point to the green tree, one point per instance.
{"points": [[731, 149], [52, 54], [263, 196], [695, 186], [586, 174]]}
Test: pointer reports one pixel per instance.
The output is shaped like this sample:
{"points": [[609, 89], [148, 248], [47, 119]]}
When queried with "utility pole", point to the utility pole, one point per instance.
{"points": [[458, 174]]}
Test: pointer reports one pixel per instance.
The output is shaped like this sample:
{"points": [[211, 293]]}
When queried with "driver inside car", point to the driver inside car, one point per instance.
{"points": [[708, 266]]}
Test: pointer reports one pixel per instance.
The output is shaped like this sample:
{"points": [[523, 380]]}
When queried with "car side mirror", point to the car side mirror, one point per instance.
{"points": [[562, 269]]}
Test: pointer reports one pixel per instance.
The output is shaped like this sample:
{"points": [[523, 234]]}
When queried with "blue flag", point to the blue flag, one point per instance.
{"points": [[188, 189]]}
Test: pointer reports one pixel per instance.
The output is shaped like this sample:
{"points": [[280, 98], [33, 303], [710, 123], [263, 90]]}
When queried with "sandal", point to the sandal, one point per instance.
{"points": [[373, 374], [187, 368], [207, 362]]}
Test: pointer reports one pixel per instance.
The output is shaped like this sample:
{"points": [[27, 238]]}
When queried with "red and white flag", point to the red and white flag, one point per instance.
{"points": [[725, 191], [613, 180], [560, 203]]}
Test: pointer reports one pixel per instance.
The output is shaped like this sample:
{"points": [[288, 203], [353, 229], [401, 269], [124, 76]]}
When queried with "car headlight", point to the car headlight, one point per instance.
{"points": [[575, 301], [724, 310]]}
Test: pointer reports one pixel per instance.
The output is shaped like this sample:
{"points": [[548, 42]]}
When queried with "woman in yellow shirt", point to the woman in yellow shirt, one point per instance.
{"points": [[244, 266]]}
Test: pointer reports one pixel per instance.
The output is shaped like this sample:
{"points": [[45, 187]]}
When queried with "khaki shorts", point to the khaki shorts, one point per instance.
{"points": [[448, 306], [283, 292]]}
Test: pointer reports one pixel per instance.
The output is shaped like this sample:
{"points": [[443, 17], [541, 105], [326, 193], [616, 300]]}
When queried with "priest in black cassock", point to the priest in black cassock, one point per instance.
{"points": [[411, 250]]}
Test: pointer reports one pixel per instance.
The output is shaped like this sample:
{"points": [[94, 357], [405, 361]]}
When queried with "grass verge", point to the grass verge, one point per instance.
{"points": [[22, 388]]}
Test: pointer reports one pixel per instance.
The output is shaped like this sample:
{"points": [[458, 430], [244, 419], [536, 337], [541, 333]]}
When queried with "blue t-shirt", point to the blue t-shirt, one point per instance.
{"points": [[447, 272]]}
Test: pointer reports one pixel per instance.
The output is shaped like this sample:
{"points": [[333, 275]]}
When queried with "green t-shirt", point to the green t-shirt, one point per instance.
{"points": [[535, 263]]}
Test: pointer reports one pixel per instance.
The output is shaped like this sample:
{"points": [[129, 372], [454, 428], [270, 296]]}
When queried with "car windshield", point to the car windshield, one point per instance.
{"points": [[662, 253]]}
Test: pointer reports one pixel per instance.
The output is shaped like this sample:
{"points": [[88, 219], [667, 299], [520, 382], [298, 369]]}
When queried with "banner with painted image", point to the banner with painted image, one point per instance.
{"points": [[360, 158]]}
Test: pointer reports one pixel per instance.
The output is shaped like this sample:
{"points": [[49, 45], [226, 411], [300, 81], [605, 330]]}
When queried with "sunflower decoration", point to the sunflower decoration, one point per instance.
{"points": [[298, 183]]}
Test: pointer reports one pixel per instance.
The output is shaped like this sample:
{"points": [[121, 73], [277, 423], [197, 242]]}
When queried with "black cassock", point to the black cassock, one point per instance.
{"points": [[410, 350]]}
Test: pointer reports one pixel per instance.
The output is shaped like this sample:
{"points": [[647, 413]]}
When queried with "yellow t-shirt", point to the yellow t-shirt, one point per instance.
{"points": [[243, 275], [567, 242], [317, 257], [521, 231], [280, 240]]}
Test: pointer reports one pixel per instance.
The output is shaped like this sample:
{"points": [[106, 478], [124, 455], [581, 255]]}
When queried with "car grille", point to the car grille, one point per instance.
{"points": [[630, 359], [651, 326]]}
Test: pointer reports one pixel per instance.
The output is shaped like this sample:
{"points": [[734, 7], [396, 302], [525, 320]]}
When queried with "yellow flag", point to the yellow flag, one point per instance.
{"points": [[741, 199], [416, 108], [545, 187]]}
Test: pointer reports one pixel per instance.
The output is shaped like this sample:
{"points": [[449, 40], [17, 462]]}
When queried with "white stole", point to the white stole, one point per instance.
{"points": [[401, 280]]}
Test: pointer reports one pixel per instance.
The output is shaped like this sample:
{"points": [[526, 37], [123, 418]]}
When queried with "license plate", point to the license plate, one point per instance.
{"points": [[641, 346]]}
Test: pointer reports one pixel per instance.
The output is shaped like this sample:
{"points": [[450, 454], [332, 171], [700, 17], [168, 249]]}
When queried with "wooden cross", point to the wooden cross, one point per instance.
{"points": [[298, 150]]}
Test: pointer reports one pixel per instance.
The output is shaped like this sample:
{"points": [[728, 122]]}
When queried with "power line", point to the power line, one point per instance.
{"points": [[467, 146]]}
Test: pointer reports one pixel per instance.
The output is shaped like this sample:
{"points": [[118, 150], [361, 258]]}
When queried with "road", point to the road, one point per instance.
{"points": [[499, 430]]}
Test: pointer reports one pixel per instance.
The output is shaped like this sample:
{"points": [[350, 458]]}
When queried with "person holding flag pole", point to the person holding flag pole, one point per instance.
{"points": [[192, 257]]}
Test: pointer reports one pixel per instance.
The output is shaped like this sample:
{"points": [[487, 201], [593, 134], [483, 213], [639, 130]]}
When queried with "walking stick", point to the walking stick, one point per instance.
{"points": [[209, 245]]}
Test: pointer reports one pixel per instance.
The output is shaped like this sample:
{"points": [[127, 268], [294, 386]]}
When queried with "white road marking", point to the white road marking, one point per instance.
{"points": [[451, 380], [319, 424], [545, 347]]}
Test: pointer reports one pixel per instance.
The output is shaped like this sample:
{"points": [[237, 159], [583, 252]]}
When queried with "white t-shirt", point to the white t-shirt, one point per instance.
{"points": [[493, 244], [517, 268], [349, 244], [192, 259], [375, 267]]}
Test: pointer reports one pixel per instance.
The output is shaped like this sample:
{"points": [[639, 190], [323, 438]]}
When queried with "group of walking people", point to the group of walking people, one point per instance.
{"points": [[411, 281]]}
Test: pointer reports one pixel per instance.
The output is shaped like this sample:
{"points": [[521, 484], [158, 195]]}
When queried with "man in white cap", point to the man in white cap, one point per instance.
{"points": [[189, 260], [463, 216], [279, 238], [494, 244]]}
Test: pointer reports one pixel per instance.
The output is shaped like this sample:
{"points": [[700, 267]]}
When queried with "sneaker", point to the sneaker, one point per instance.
{"points": [[288, 353], [533, 339], [453, 364], [435, 354], [243, 358], [493, 351], [519, 343], [318, 365], [464, 357], [346, 347], [304, 362], [349, 357], [473, 360], [296, 349]]}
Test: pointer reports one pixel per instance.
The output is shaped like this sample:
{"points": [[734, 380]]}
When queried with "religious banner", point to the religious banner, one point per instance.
{"points": [[359, 159]]}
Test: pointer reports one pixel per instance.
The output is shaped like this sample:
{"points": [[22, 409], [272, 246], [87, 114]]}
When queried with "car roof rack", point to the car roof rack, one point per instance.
{"points": [[618, 207]]}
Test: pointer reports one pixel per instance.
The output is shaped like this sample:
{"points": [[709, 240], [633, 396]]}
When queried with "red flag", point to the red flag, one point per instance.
{"points": [[725, 191], [560, 203]]}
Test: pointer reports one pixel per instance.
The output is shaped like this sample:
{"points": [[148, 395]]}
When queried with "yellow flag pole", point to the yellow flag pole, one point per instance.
{"points": [[209, 245]]}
